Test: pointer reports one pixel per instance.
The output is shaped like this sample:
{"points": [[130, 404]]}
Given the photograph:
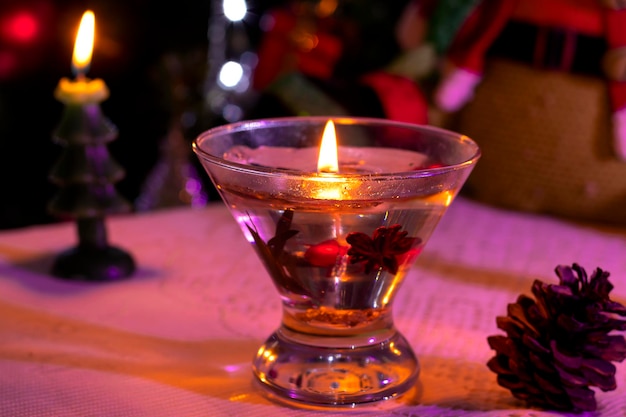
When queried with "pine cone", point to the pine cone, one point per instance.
{"points": [[559, 345]]}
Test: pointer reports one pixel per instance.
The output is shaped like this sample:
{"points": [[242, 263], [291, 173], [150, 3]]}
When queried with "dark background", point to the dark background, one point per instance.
{"points": [[134, 40], [132, 37]]}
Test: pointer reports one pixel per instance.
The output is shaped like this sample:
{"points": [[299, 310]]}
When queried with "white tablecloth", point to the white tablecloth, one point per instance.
{"points": [[177, 338]]}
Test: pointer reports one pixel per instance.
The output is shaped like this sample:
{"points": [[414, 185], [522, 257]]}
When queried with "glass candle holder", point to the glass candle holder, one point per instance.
{"points": [[337, 245]]}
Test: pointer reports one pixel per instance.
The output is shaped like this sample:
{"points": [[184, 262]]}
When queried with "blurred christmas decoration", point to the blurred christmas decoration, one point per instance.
{"points": [[541, 87], [364, 58], [24, 36], [200, 88], [316, 57], [231, 62], [298, 37], [445, 17], [560, 344], [174, 180]]}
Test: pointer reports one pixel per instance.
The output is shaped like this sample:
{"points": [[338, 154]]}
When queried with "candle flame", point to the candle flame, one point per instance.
{"points": [[83, 47], [328, 161]]}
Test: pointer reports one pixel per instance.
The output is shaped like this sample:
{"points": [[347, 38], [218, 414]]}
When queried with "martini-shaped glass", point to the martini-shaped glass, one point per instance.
{"points": [[337, 243]]}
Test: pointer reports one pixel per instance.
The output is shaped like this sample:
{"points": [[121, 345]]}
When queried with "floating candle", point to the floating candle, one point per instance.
{"points": [[330, 162]]}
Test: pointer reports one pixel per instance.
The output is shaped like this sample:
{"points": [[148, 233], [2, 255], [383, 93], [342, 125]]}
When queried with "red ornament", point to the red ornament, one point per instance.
{"points": [[27, 34], [401, 98], [289, 46], [325, 254]]}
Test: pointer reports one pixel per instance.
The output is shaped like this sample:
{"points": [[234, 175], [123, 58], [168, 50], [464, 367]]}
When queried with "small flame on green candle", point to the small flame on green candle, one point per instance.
{"points": [[83, 47]]}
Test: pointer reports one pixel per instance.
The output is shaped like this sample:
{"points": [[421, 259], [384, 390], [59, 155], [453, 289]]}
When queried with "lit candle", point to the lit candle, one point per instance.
{"points": [[82, 90], [86, 171], [328, 161]]}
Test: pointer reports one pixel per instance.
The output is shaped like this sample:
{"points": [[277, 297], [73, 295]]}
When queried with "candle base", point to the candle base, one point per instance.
{"points": [[88, 263], [344, 372]]}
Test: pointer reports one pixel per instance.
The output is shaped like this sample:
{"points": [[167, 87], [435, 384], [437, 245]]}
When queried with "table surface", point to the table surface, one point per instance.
{"points": [[177, 339]]}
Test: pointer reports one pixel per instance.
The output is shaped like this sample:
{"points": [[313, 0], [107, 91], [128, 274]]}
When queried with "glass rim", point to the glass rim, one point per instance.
{"points": [[274, 122]]}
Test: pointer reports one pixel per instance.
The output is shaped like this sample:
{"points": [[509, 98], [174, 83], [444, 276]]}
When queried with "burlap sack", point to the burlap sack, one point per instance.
{"points": [[546, 142]]}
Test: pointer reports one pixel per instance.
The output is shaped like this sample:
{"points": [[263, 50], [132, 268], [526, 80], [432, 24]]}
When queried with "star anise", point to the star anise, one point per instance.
{"points": [[381, 251]]}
